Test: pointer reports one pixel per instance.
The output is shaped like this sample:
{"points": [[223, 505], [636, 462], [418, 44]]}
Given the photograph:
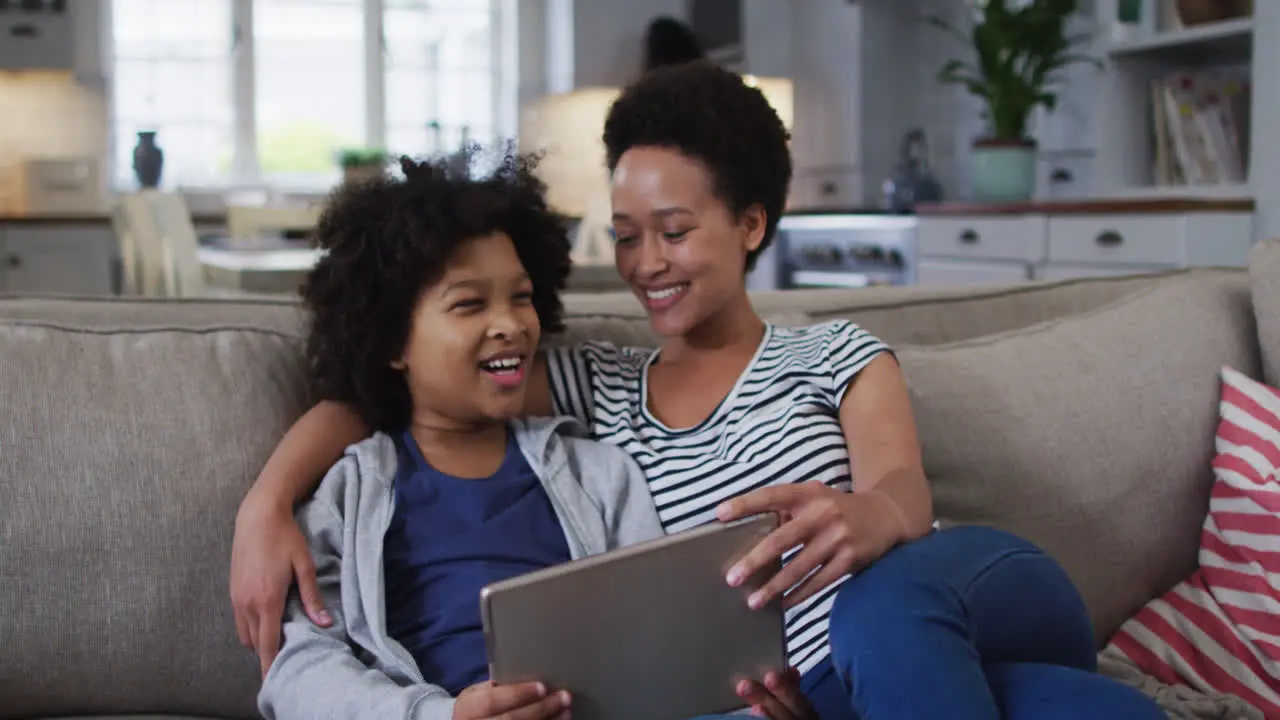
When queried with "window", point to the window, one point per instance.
{"points": [[441, 67], [173, 75], [252, 92]]}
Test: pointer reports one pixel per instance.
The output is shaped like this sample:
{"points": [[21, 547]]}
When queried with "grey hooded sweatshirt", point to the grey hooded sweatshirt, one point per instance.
{"points": [[353, 670]]}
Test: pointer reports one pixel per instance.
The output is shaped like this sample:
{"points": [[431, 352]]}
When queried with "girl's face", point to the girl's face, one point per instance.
{"points": [[677, 244], [472, 338]]}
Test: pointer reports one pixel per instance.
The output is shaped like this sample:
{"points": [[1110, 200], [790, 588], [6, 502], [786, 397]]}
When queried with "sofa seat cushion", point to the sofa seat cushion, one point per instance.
{"points": [[1218, 630], [1090, 435]]}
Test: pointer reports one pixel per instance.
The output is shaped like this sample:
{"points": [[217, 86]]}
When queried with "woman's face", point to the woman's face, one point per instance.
{"points": [[677, 244]]}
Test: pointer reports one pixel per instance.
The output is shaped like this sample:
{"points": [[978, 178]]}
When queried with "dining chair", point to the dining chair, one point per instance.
{"points": [[143, 234], [130, 259], [165, 244], [184, 275]]}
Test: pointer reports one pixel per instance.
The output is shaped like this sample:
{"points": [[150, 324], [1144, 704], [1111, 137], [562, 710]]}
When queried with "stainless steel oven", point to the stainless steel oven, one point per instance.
{"points": [[854, 249]]}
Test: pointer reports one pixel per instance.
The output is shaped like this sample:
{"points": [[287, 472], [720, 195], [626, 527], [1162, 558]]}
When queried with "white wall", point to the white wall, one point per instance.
{"points": [[865, 74], [609, 37], [567, 44], [951, 117]]}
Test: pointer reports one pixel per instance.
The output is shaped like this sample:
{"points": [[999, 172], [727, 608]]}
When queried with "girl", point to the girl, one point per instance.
{"points": [[427, 310]]}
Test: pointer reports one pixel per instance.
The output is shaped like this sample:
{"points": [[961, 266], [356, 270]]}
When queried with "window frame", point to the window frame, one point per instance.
{"points": [[246, 167]]}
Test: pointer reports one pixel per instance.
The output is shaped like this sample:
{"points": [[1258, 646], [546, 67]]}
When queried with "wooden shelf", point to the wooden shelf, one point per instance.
{"points": [[1227, 41]]}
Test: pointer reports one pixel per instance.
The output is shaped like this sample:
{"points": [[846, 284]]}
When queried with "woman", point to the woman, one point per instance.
{"points": [[670, 42], [731, 417]]}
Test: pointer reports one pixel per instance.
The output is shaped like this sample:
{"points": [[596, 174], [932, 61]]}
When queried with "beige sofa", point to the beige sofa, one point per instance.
{"points": [[1079, 414]]}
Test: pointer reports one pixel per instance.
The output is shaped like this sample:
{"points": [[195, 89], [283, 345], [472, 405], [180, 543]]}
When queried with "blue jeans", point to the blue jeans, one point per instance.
{"points": [[966, 624]]}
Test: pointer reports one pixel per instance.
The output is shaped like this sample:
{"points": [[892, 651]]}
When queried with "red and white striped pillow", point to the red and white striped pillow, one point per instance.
{"points": [[1219, 630]]}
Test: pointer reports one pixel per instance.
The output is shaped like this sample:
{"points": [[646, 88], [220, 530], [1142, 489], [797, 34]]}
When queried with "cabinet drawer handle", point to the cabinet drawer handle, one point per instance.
{"points": [[13, 261], [24, 31], [968, 237], [1109, 238]]}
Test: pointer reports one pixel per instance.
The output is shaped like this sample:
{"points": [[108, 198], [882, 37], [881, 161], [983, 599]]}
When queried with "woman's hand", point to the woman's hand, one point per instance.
{"points": [[839, 533], [525, 701], [268, 552], [778, 698]]}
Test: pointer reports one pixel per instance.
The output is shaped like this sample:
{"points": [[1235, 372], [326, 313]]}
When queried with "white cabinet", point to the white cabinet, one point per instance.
{"points": [[978, 249], [36, 36], [1117, 239], [1136, 67], [1161, 239], [55, 259], [1015, 238], [1057, 241]]}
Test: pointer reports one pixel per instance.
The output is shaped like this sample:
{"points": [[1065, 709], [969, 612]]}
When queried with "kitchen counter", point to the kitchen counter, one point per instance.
{"points": [[1126, 206], [72, 253], [99, 218]]}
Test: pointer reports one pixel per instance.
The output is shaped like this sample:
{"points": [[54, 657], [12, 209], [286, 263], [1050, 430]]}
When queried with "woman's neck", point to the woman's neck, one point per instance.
{"points": [[467, 450], [735, 330]]}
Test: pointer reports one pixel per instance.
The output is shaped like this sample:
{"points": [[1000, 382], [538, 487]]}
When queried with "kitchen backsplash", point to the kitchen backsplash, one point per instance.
{"points": [[46, 115]]}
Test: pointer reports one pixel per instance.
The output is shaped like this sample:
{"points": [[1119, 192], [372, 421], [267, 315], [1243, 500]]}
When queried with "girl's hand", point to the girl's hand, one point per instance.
{"points": [[778, 698], [839, 533], [525, 701], [268, 552]]}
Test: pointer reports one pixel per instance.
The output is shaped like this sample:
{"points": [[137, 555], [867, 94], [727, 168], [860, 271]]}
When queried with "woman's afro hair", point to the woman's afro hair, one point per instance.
{"points": [[387, 240], [711, 115]]}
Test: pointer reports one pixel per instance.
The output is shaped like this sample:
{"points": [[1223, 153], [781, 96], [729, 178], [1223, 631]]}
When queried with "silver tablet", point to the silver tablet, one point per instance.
{"points": [[647, 632]]}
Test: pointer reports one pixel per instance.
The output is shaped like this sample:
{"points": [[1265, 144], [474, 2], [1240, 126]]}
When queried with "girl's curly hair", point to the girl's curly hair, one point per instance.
{"points": [[387, 240]]}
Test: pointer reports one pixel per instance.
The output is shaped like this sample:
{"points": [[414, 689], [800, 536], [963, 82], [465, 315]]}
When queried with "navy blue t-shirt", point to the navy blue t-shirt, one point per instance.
{"points": [[449, 537]]}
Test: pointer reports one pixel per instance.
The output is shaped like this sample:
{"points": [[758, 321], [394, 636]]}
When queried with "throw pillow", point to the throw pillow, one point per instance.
{"points": [[1219, 630]]}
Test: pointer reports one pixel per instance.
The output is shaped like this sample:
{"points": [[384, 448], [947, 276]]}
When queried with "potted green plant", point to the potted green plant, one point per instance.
{"points": [[1019, 50], [360, 164]]}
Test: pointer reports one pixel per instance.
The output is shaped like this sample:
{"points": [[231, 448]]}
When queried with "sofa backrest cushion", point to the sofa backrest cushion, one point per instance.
{"points": [[125, 453], [921, 315], [1264, 277], [1091, 435]]}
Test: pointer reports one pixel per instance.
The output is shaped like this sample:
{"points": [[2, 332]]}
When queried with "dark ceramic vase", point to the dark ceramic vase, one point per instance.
{"points": [[148, 160]]}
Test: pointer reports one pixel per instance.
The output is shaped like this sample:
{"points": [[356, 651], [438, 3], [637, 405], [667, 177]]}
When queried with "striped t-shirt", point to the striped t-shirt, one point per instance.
{"points": [[779, 424]]}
